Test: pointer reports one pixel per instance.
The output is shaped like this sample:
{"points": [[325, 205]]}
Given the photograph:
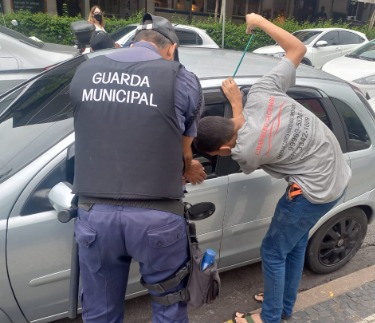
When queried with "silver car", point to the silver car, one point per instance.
{"points": [[37, 159], [22, 57]]}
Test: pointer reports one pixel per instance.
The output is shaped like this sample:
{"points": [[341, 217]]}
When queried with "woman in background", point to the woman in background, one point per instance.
{"points": [[96, 17]]}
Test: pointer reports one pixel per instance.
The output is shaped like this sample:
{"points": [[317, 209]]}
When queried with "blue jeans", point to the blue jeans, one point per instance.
{"points": [[108, 238], [283, 254]]}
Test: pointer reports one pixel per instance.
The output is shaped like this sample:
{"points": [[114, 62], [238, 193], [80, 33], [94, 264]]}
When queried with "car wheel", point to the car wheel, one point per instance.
{"points": [[336, 241], [306, 62]]}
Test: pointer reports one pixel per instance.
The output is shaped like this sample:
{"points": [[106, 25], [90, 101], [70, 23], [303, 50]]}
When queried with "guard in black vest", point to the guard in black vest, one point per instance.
{"points": [[135, 116]]}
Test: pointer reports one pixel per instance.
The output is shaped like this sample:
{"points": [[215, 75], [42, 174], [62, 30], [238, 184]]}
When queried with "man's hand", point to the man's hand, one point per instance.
{"points": [[252, 21], [233, 94], [195, 173]]}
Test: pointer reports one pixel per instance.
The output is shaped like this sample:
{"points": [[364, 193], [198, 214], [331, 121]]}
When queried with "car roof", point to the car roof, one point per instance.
{"points": [[217, 63], [323, 29], [17, 35]]}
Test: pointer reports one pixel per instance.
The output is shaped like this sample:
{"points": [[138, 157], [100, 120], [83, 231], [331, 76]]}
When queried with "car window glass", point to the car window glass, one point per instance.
{"points": [[332, 38], [358, 137], [367, 52], [188, 38], [306, 36], [210, 162], [346, 38], [37, 119], [315, 107], [115, 35], [38, 200]]}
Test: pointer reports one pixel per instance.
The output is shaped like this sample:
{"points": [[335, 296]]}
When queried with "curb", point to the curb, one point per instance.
{"points": [[335, 288]]}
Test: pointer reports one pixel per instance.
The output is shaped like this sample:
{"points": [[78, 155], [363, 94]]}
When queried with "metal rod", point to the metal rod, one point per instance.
{"points": [[244, 52]]}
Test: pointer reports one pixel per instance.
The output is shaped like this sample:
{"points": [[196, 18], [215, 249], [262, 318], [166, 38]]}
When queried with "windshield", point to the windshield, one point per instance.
{"points": [[35, 117], [307, 36], [15, 34], [366, 52]]}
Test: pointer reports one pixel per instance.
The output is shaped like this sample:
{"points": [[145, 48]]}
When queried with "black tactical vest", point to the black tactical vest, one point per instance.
{"points": [[128, 139]]}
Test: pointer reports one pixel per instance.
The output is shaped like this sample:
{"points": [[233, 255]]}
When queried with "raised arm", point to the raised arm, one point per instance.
{"points": [[294, 48]]}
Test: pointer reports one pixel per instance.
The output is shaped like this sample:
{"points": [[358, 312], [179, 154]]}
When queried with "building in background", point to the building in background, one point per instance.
{"points": [[357, 11]]}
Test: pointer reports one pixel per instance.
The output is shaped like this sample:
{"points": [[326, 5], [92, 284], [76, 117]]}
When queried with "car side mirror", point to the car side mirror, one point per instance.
{"points": [[199, 211], [321, 43], [63, 201]]}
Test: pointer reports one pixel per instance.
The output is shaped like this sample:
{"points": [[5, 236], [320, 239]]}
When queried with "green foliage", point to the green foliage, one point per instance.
{"points": [[56, 29]]}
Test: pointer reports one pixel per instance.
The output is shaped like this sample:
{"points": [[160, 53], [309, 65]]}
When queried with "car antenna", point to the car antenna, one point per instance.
{"points": [[244, 52]]}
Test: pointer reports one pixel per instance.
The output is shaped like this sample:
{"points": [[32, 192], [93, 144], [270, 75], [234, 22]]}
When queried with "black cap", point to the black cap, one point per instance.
{"points": [[101, 40], [161, 25]]}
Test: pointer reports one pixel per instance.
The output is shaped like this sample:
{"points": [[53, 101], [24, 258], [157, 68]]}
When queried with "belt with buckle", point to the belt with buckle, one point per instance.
{"points": [[294, 190]]}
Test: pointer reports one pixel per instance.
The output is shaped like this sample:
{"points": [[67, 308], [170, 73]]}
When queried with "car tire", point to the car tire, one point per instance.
{"points": [[336, 241]]}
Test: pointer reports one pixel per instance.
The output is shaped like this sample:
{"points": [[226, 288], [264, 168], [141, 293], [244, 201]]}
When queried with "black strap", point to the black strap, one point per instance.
{"points": [[166, 205], [173, 298], [169, 283]]}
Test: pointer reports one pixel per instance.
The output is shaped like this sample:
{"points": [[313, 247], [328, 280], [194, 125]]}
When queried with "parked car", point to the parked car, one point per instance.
{"points": [[37, 160], [187, 35], [357, 67], [22, 57], [323, 44]]}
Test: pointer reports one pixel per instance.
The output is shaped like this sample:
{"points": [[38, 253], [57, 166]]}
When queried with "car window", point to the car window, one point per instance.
{"points": [[332, 38], [307, 36], [315, 106], [357, 136], [366, 51], [36, 119], [189, 38], [209, 162], [346, 38], [117, 34]]}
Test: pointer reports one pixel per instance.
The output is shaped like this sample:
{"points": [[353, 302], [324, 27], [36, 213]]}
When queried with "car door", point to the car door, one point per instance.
{"points": [[38, 246], [215, 188], [324, 54]]}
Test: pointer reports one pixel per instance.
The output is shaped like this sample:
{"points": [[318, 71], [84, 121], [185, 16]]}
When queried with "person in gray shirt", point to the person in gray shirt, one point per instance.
{"points": [[278, 134]]}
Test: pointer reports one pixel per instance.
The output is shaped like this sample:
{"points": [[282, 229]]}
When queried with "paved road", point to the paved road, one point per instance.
{"points": [[239, 286]]}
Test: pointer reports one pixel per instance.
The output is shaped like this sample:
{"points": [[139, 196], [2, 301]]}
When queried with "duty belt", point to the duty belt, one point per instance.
{"points": [[165, 205]]}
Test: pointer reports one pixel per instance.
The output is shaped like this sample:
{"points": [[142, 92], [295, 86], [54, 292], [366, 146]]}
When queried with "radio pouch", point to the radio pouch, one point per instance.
{"points": [[203, 286]]}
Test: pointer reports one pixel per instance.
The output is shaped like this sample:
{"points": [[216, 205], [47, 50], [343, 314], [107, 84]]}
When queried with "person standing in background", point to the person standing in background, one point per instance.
{"points": [[96, 17]]}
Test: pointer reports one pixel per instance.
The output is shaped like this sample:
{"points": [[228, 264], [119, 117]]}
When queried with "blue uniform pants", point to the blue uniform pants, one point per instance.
{"points": [[283, 254], [109, 237]]}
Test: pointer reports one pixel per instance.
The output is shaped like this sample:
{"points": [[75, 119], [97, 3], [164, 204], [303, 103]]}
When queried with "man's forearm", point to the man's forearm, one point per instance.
{"points": [[294, 48]]}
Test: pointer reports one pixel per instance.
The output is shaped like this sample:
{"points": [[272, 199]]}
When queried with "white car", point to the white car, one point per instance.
{"points": [[323, 44], [358, 68], [188, 36]]}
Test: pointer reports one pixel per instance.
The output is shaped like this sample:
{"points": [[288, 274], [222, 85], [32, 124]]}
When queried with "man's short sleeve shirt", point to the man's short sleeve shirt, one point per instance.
{"points": [[288, 141]]}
